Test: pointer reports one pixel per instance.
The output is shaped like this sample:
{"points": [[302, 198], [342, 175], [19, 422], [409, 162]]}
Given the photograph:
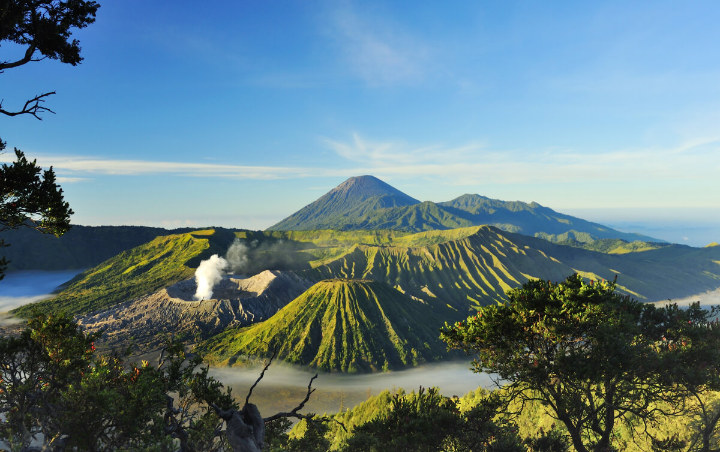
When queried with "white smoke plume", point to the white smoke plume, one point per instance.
{"points": [[209, 273], [237, 256]]}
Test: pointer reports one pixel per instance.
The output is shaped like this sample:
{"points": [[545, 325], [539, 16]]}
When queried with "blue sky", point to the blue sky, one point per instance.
{"points": [[240, 113]]}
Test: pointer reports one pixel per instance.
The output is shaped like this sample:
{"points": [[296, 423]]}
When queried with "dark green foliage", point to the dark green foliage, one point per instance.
{"points": [[420, 421], [551, 441], [45, 26], [309, 436], [81, 247], [276, 437], [52, 382], [29, 197], [43, 29], [589, 354]]}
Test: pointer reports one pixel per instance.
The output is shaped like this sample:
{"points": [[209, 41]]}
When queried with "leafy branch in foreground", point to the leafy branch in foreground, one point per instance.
{"points": [[30, 197], [56, 389], [43, 29], [593, 357]]}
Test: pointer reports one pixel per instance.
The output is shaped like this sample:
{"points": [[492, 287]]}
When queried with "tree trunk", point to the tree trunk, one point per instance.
{"points": [[246, 429]]}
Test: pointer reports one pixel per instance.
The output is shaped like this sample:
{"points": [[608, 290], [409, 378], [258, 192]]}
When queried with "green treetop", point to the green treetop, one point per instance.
{"points": [[593, 357]]}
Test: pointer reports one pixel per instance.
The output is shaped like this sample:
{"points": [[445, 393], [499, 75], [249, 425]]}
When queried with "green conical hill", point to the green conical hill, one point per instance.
{"points": [[340, 325]]}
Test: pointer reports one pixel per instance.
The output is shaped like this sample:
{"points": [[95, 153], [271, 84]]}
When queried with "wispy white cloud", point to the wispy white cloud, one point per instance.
{"points": [[466, 164], [687, 170], [77, 168], [696, 160], [72, 180], [376, 49], [381, 153]]}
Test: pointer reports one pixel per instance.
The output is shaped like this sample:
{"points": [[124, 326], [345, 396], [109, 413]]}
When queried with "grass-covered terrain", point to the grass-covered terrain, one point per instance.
{"points": [[456, 269], [380, 296], [467, 267], [144, 269], [339, 325]]}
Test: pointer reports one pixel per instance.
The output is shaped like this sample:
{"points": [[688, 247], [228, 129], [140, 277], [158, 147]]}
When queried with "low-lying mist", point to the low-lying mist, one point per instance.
{"points": [[284, 385], [709, 298], [27, 286]]}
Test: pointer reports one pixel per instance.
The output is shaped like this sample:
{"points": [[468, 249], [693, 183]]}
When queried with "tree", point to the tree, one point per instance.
{"points": [[428, 421], [30, 197], [54, 385], [694, 356], [593, 357], [43, 29]]}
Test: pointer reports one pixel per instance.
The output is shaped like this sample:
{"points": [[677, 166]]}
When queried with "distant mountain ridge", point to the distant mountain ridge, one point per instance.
{"points": [[365, 202]]}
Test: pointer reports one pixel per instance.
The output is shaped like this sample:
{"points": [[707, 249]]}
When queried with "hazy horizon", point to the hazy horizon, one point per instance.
{"points": [[686, 226]]}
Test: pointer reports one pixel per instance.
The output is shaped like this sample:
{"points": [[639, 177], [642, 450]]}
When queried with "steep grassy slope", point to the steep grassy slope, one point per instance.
{"points": [[458, 268], [139, 271], [476, 266], [339, 325]]}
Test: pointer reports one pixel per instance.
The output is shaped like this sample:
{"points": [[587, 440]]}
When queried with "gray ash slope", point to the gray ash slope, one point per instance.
{"points": [[236, 302]]}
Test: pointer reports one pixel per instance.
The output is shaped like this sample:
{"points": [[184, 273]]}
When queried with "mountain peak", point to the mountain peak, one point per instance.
{"points": [[354, 198], [360, 188]]}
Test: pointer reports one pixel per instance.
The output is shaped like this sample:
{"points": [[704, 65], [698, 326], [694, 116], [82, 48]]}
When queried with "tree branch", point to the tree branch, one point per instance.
{"points": [[262, 374], [32, 107], [25, 59], [294, 411]]}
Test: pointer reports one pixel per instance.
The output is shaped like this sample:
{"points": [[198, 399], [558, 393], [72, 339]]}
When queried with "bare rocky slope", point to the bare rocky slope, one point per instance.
{"points": [[236, 302]]}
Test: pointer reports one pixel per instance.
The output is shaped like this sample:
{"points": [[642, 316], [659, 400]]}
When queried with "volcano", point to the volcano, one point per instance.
{"points": [[237, 301]]}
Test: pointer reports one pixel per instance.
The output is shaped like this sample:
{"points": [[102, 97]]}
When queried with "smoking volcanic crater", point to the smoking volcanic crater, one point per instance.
{"points": [[230, 287], [236, 301]]}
